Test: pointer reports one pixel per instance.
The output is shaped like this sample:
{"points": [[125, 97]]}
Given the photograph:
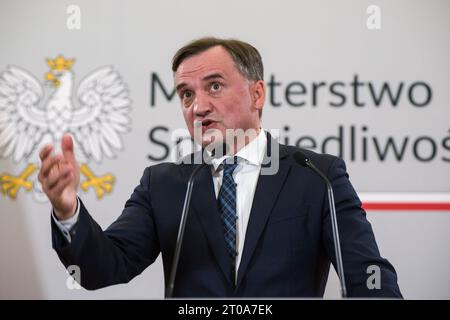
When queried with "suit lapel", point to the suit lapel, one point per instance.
{"points": [[266, 194], [204, 204]]}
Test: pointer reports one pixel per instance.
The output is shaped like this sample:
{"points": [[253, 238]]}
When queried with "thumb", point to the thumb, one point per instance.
{"points": [[67, 147]]}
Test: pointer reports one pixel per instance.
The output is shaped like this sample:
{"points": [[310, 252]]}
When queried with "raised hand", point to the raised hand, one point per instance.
{"points": [[60, 177]]}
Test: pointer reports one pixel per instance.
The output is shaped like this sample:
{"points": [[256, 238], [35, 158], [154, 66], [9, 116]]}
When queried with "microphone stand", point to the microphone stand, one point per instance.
{"points": [[303, 160], [182, 227]]}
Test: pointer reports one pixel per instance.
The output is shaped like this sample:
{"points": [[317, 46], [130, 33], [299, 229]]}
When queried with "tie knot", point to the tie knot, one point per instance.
{"points": [[229, 165]]}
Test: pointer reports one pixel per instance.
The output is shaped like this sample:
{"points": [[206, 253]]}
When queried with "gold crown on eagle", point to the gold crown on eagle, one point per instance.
{"points": [[58, 64]]}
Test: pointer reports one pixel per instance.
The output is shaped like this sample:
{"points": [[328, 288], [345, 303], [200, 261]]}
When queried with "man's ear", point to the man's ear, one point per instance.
{"points": [[258, 94]]}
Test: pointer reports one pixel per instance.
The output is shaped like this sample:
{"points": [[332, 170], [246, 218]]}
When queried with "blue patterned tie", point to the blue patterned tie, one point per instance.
{"points": [[227, 207]]}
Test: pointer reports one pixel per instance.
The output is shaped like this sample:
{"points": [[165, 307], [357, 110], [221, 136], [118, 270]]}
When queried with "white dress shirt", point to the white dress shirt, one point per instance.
{"points": [[246, 175]]}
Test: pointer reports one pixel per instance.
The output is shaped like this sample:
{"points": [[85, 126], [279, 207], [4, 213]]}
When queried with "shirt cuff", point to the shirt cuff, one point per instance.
{"points": [[65, 226]]}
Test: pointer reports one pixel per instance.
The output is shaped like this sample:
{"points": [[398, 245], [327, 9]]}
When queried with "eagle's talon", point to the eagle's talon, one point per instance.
{"points": [[101, 184], [11, 184]]}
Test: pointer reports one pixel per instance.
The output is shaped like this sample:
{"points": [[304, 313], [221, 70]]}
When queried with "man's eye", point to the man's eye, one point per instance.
{"points": [[215, 86], [187, 94]]}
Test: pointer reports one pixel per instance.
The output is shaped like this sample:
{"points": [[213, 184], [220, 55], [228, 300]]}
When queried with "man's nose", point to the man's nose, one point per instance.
{"points": [[202, 105]]}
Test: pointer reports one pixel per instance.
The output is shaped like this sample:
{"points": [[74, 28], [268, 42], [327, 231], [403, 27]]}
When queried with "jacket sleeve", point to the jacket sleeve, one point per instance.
{"points": [[117, 254], [360, 254]]}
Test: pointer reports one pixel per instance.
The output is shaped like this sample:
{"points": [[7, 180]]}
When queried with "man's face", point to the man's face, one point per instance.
{"points": [[216, 95]]}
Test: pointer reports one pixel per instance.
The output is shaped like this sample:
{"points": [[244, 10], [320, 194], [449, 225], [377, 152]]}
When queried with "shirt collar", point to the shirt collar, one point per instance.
{"points": [[252, 153]]}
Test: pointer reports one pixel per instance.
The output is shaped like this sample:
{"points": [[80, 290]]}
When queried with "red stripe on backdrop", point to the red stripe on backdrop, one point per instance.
{"points": [[399, 206]]}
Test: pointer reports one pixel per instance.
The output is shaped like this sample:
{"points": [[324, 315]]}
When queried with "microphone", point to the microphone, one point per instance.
{"points": [[216, 151], [303, 160]]}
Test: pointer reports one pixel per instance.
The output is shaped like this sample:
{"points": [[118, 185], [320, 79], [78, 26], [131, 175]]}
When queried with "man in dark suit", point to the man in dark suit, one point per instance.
{"points": [[248, 234]]}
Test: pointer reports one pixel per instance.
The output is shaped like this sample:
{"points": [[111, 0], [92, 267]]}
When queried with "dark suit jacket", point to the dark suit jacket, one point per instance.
{"points": [[288, 245]]}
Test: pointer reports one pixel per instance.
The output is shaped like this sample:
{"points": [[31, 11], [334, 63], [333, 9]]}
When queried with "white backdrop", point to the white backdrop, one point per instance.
{"points": [[312, 51]]}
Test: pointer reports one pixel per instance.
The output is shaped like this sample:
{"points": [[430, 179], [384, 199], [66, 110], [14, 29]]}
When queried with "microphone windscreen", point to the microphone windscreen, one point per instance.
{"points": [[219, 149], [301, 158]]}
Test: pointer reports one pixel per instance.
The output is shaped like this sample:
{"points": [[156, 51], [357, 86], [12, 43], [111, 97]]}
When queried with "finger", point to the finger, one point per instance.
{"points": [[57, 173], [45, 151], [67, 147], [48, 165], [61, 184]]}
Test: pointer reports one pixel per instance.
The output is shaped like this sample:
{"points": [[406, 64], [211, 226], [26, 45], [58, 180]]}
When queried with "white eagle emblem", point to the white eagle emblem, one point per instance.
{"points": [[95, 122]]}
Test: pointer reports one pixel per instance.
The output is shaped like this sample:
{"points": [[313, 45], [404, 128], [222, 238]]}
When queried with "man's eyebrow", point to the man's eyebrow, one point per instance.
{"points": [[213, 76], [207, 78], [180, 85]]}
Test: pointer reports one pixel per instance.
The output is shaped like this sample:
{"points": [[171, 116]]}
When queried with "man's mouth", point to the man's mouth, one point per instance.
{"points": [[207, 124]]}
